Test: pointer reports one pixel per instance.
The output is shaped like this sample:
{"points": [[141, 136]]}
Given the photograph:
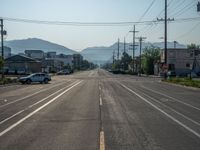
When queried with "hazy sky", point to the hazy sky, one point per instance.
{"points": [[78, 38]]}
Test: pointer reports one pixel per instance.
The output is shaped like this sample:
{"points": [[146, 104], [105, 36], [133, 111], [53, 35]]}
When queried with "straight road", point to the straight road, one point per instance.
{"points": [[94, 110]]}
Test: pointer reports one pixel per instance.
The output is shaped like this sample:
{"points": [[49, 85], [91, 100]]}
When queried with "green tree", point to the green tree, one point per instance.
{"points": [[193, 46], [151, 55], [1, 63], [125, 61]]}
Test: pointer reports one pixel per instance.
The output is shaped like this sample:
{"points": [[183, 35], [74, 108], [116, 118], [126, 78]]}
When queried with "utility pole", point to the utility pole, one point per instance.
{"points": [[140, 40], [113, 56], [198, 7], [118, 50], [2, 46], [124, 45], [134, 46], [165, 32]]}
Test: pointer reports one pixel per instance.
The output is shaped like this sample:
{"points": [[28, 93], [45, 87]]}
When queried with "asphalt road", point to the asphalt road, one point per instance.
{"points": [[95, 110]]}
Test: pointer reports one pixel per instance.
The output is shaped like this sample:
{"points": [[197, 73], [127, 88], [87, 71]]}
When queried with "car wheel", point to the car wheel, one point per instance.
{"points": [[46, 80], [28, 81]]}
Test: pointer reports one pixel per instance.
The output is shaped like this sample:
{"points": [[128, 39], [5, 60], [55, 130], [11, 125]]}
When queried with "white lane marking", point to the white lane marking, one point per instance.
{"points": [[36, 103], [163, 112], [29, 95], [11, 116], [172, 109], [52, 94], [102, 141], [189, 105], [100, 101], [34, 112]]}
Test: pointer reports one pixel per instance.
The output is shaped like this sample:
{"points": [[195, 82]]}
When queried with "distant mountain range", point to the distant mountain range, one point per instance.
{"points": [[98, 55], [101, 55], [19, 46]]}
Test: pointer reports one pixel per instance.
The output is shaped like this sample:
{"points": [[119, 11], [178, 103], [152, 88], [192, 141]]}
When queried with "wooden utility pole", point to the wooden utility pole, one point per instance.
{"points": [[2, 46], [140, 40], [134, 31], [165, 32]]}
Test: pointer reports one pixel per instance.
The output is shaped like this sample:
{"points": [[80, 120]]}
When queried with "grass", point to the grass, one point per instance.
{"points": [[184, 81], [7, 81]]}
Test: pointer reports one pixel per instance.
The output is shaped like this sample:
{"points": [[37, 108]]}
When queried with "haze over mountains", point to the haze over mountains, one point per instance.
{"points": [[96, 55], [19, 46]]}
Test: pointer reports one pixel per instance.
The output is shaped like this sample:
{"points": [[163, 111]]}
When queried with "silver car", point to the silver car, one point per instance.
{"points": [[36, 77]]}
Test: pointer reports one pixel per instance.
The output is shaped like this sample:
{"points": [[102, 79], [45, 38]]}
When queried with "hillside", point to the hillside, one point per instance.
{"points": [[101, 55], [19, 46]]}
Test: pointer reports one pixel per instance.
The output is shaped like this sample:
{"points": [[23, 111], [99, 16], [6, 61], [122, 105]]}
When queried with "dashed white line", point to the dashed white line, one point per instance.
{"points": [[163, 112], [38, 109]]}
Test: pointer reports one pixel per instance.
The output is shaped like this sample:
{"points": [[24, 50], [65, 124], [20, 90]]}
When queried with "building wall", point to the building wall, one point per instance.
{"points": [[29, 67], [182, 60], [77, 61], [36, 54]]}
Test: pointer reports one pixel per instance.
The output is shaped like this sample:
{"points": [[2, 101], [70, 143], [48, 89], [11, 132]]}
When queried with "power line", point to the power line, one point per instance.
{"points": [[184, 9], [190, 31], [95, 23], [147, 10]]}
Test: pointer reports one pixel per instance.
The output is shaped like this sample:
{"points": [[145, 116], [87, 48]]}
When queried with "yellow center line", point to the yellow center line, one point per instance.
{"points": [[102, 141]]}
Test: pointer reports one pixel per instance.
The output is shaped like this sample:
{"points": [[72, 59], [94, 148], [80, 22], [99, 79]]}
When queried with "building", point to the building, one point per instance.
{"points": [[6, 51], [35, 54], [51, 65], [18, 63], [66, 59], [182, 61], [77, 61], [55, 63], [51, 55]]}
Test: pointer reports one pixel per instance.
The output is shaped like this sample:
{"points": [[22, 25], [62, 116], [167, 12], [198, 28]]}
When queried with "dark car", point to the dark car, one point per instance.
{"points": [[36, 77]]}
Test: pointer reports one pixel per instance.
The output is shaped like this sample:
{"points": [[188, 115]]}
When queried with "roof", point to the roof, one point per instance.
{"points": [[20, 58], [34, 51]]}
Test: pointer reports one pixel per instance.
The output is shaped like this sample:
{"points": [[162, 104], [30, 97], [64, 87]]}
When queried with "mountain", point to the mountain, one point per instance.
{"points": [[100, 55], [19, 46]]}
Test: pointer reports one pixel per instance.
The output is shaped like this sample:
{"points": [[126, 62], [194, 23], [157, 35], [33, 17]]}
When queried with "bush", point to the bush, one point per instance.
{"points": [[7, 81], [184, 81]]}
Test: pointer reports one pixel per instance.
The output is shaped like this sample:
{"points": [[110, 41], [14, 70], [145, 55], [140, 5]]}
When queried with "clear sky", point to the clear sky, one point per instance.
{"points": [[80, 37]]}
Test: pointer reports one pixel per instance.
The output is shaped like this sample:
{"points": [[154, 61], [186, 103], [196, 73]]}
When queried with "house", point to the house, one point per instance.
{"points": [[35, 54], [182, 61], [18, 63]]}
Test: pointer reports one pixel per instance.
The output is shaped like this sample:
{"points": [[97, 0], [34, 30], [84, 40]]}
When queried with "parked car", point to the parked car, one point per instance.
{"points": [[21, 71], [64, 72], [36, 77]]}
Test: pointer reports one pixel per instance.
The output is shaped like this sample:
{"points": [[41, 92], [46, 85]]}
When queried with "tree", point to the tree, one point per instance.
{"points": [[151, 55], [1, 63], [193, 46], [125, 61]]}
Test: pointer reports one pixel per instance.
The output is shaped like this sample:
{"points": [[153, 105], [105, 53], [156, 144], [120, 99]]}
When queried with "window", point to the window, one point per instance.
{"points": [[188, 65]]}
